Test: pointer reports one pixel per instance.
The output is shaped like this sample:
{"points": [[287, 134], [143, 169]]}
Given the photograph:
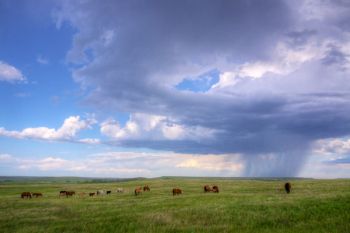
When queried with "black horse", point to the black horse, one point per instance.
{"points": [[287, 187]]}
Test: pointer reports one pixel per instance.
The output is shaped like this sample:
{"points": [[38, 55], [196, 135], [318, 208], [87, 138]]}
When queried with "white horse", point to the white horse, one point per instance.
{"points": [[120, 190], [100, 192]]}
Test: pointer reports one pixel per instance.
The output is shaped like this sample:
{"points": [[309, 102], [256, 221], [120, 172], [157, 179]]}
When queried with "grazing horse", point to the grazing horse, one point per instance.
{"points": [[146, 188], [138, 191], [26, 195], [108, 192], [120, 190], [207, 188], [70, 193], [215, 189], [287, 187], [63, 193], [100, 192], [37, 195], [91, 194], [177, 191]]}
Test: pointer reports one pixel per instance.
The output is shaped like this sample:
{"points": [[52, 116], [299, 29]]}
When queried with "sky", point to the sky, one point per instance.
{"points": [[175, 88]]}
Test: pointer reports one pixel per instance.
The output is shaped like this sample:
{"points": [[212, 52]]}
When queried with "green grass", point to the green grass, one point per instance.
{"points": [[241, 206]]}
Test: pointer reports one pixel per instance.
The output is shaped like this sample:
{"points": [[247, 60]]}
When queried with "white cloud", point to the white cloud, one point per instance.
{"points": [[10, 73], [333, 146], [90, 140], [95, 165], [49, 163], [286, 60], [40, 59], [154, 164], [5, 157], [133, 164], [258, 69], [68, 131], [146, 126], [324, 167], [110, 128], [253, 70], [211, 163]]}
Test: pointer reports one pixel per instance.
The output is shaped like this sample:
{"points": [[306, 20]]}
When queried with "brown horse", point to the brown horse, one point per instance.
{"points": [[146, 188], [37, 195], [207, 188], [70, 193], [26, 195], [138, 191], [108, 192], [91, 194], [63, 193], [215, 189], [288, 187], [177, 191]]}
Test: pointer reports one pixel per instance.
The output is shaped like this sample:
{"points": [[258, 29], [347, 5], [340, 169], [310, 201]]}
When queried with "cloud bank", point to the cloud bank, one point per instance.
{"points": [[127, 164], [283, 71], [154, 164]]}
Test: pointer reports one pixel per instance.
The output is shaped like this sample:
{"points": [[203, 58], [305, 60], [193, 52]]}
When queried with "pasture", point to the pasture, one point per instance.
{"points": [[242, 205]]}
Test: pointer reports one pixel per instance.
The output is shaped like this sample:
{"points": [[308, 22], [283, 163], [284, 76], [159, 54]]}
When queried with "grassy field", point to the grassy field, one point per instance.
{"points": [[242, 205]]}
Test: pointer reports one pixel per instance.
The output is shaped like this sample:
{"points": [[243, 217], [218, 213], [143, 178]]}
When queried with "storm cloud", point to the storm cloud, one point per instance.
{"points": [[282, 70]]}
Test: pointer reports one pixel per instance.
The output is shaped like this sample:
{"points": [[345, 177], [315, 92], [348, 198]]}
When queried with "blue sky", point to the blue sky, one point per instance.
{"points": [[197, 88]]}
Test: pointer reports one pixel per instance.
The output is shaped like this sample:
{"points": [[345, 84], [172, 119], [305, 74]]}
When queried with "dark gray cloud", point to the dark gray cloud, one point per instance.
{"points": [[134, 53], [336, 57]]}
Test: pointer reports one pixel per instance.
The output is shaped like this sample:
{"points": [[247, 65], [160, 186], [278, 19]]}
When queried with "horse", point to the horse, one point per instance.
{"points": [[138, 191], [37, 195], [207, 188], [146, 188], [215, 189], [100, 192], [70, 193], [91, 194], [287, 187], [26, 195], [177, 191], [63, 193], [120, 190], [108, 192]]}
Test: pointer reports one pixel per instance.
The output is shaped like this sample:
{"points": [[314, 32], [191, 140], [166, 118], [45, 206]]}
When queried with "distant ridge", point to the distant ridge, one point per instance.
{"points": [[234, 178], [64, 179]]}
